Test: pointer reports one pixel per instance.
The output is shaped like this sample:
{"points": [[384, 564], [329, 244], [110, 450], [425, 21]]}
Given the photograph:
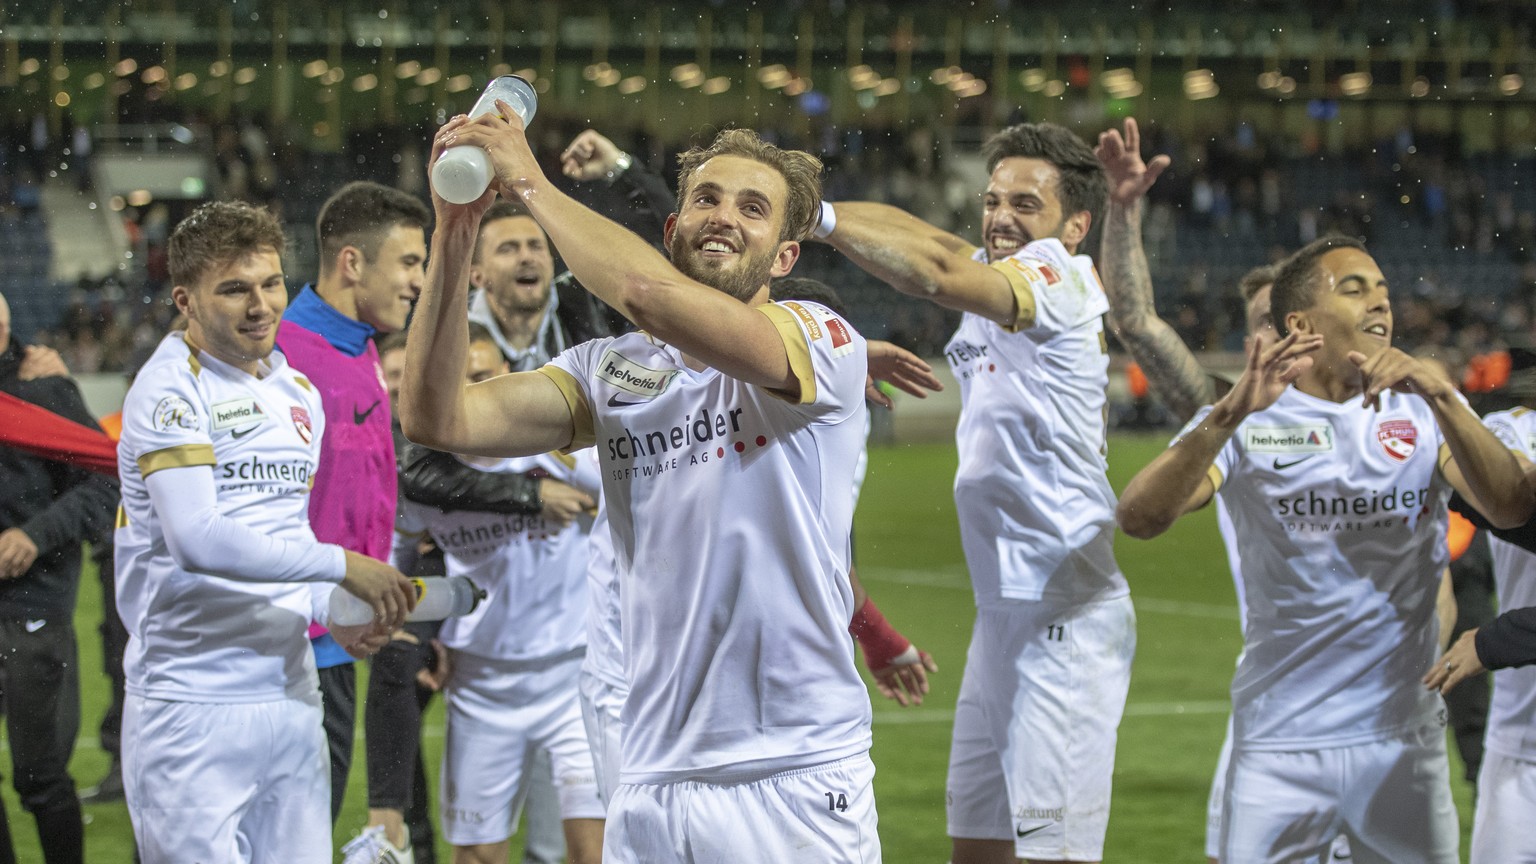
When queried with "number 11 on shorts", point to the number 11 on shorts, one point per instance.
{"points": [[1055, 632]]}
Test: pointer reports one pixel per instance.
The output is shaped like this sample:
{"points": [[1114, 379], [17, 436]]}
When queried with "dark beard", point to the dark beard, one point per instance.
{"points": [[742, 283]]}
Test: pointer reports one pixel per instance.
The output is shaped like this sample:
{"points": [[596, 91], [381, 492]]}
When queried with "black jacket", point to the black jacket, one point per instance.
{"points": [[1509, 640], [57, 505]]}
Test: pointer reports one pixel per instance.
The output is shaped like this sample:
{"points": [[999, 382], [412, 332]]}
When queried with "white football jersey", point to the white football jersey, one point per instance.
{"points": [[197, 637], [1512, 712], [533, 572], [1338, 515], [605, 629], [730, 510], [1037, 515]]}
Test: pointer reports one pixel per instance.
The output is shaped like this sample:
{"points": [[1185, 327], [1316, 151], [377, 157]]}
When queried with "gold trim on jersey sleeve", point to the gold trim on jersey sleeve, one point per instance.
{"points": [[583, 434], [180, 456], [566, 459], [1444, 457], [1216, 479], [799, 351], [122, 518], [303, 382], [1022, 279]]}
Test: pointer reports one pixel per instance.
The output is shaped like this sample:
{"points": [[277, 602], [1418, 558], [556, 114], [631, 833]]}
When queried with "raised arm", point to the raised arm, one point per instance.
{"points": [[519, 414], [625, 272], [918, 259], [1170, 366], [1179, 480]]}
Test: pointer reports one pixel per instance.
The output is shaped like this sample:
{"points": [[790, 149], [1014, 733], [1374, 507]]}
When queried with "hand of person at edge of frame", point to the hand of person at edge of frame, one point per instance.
{"points": [[905, 680], [590, 156], [40, 361], [382, 587], [445, 138], [17, 553], [563, 502], [1456, 665], [1129, 177], [900, 368]]}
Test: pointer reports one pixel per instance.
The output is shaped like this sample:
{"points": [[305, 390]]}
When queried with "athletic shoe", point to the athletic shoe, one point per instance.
{"points": [[372, 847]]}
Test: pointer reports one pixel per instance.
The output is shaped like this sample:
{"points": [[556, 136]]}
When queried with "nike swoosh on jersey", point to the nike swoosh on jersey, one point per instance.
{"points": [[615, 402], [1023, 833], [361, 417], [241, 433], [1281, 466], [34, 626]]}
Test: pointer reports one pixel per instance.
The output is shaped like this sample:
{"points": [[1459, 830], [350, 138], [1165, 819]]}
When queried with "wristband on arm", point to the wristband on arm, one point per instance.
{"points": [[880, 641], [828, 222]]}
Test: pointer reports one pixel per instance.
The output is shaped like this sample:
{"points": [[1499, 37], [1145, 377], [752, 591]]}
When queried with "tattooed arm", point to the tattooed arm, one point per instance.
{"points": [[1170, 367]]}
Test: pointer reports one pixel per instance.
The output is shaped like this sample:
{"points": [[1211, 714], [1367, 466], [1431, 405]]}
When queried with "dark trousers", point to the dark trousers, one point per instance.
{"points": [[40, 692], [397, 777], [1467, 705], [338, 696]]}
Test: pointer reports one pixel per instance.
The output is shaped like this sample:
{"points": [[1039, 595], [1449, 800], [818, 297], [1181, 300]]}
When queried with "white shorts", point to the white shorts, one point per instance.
{"points": [[824, 814], [1391, 798], [1339, 851], [1033, 754], [601, 703], [499, 713], [1506, 800], [230, 783]]}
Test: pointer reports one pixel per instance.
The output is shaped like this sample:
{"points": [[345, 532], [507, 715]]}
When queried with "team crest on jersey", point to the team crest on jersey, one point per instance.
{"points": [[301, 423], [1310, 438], [1399, 438], [174, 412]]}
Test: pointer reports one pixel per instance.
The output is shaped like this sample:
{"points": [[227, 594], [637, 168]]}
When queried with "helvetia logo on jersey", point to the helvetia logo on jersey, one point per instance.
{"points": [[631, 377], [174, 412], [1399, 438], [237, 412], [301, 423], [1317, 438]]}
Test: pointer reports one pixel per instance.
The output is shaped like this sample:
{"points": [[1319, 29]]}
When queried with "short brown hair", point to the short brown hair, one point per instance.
{"points": [[504, 208], [1082, 185], [1297, 282], [1255, 280], [360, 214], [219, 233], [801, 172]]}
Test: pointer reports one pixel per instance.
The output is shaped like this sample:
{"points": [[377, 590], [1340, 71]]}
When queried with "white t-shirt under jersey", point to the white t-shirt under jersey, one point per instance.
{"points": [[1037, 515], [730, 511], [1512, 712], [1338, 513], [533, 572], [197, 637]]}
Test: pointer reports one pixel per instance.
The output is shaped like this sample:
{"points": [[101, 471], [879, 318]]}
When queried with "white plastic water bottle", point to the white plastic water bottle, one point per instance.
{"points": [[463, 172], [437, 597]]}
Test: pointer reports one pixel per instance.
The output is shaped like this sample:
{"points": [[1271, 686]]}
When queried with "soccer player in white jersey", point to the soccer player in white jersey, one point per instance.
{"points": [[1506, 784], [218, 572], [728, 428], [1341, 562], [1050, 658], [515, 660]]}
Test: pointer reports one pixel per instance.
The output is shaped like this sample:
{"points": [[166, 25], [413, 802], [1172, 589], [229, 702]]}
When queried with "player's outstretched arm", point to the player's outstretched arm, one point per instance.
{"points": [[900, 368], [1479, 465], [1178, 481], [519, 414], [1171, 367], [918, 259], [625, 272]]}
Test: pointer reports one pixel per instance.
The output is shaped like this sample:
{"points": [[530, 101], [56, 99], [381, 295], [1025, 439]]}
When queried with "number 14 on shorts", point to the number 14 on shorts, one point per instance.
{"points": [[836, 801]]}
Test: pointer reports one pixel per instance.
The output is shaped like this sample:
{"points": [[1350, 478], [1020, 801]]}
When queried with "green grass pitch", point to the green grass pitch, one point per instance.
{"points": [[909, 557]]}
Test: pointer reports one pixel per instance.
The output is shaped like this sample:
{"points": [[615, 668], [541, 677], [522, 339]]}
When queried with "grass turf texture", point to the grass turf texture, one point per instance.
{"points": [[909, 558]]}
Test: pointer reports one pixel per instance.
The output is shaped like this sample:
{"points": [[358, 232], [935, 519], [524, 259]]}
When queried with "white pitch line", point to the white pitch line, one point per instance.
{"points": [[956, 580], [923, 716]]}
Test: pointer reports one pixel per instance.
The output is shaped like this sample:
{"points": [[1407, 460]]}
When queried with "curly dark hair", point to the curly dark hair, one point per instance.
{"points": [[1083, 185], [219, 233]]}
